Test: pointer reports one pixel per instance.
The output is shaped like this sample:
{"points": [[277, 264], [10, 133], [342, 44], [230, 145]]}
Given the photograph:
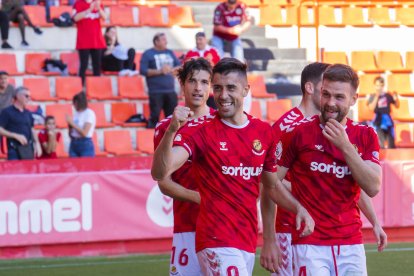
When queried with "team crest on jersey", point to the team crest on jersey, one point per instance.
{"points": [[173, 270], [257, 147], [239, 11], [178, 138], [375, 154], [279, 149]]}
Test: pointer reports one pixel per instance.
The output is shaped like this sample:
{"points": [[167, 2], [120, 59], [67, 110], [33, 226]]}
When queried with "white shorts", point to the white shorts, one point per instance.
{"points": [[183, 256], [337, 260], [285, 244], [226, 261]]}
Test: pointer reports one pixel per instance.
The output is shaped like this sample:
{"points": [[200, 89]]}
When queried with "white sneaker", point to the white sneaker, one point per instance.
{"points": [[133, 73], [124, 72]]}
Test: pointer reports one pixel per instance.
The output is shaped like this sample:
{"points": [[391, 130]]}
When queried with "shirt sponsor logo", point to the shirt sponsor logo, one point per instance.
{"points": [[339, 171], [319, 147], [223, 146], [245, 172]]}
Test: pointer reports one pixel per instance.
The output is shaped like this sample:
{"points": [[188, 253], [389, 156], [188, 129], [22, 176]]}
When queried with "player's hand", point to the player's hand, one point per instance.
{"points": [[180, 117], [381, 237], [21, 139], [270, 256], [305, 219], [335, 133]]}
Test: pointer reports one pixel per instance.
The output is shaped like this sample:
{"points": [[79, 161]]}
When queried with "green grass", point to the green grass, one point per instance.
{"points": [[397, 260]]}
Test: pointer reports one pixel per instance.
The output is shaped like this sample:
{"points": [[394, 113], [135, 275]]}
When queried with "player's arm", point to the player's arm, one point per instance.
{"points": [[366, 173], [173, 189], [167, 159], [365, 204]]}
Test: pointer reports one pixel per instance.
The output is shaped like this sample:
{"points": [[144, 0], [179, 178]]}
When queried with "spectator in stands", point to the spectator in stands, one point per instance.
{"points": [[90, 41], [16, 13], [4, 26], [49, 137], [380, 103], [6, 91], [230, 21], [81, 128], [158, 65], [202, 49], [16, 123], [117, 58]]}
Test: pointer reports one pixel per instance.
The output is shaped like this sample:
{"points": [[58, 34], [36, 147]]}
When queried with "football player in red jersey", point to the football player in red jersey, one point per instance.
{"points": [[311, 83], [330, 159], [230, 155], [195, 79]]}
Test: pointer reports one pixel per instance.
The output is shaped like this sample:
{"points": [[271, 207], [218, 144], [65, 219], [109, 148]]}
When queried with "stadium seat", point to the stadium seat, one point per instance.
{"points": [[409, 60], [59, 111], [364, 61], [56, 11], [100, 88], [132, 88], [3, 147], [37, 14], [404, 15], [118, 142], [137, 60], [60, 148], [145, 141], [380, 16], [9, 64], [327, 17], [276, 108], [272, 15], [122, 111], [122, 16], [258, 87], [401, 84], [292, 18], [253, 3], [256, 110], [12, 81], [34, 63], [67, 87], [335, 57], [404, 135], [364, 114], [182, 16], [98, 151], [151, 16], [99, 109], [391, 61], [354, 16], [71, 59], [39, 88], [366, 84], [403, 113]]}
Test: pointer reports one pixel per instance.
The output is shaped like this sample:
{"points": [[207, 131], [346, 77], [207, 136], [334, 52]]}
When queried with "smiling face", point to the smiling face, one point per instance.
{"points": [[50, 124], [336, 100], [22, 98], [196, 89], [229, 92]]}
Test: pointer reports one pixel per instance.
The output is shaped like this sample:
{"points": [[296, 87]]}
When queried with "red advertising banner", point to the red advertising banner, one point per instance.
{"points": [[82, 207]]}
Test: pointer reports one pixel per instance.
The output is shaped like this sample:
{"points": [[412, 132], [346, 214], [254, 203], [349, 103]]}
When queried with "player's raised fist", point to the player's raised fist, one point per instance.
{"points": [[180, 117]]}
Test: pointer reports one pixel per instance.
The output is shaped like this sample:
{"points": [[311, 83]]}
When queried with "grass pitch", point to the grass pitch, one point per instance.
{"points": [[397, 259]]}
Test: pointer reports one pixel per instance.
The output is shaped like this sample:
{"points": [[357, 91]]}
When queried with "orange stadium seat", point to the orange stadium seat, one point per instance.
{"points": [[132, 88], [272, 15], [60, 149], [59, 111], [404, 15], [145, 140], [364, 61], [137, 60], [56, 11], [118, 142], [354, 16], [99, 109], [34, 63], [39, 88], [151, 16], [258, 87], [9, 64], [403, 114], [122, 16], [404, 137], [380, 16], [276, 108], [67, 87], [305, 19], [12, 81], [409, 60], [391, 61], [366, 84], [100, 88], [98, 151], [122, 111], [71, 59], [401, 84], [256, 110], [327, 17], [253, 3], [37, 14], [364, 114], [182, 16], [335, 57]]}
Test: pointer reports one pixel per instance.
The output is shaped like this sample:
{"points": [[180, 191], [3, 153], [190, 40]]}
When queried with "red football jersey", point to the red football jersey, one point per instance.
{"points": [[285, 219], [44, 138], [210, 53], [322, 181], [185, 212], [228, 161], [226, 18], [89, 33]]}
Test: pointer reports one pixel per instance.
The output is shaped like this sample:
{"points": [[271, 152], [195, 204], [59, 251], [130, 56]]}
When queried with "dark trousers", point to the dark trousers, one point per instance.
{"points": [[19, 15], [81, 147], [158, 101], [386, 135], [4, 25], [84, 58], [111, 63]]}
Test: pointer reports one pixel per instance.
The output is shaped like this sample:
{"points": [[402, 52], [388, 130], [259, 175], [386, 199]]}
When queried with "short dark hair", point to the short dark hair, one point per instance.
{"points": [[156, 37], [312, 73], [48, 118], [4, 73], [342, 73], [380, 79], [80, 100], [200, 34], [192, 65], [229, 65]]}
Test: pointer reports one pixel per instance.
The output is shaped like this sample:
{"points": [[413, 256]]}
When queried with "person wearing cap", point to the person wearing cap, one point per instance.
{"points": [[158, 65], [230, 21], [6, 91], [204, 50]]}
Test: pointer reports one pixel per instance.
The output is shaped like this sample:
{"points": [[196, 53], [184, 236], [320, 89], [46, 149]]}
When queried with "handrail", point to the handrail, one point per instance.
{"points": [[316, 4]]}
